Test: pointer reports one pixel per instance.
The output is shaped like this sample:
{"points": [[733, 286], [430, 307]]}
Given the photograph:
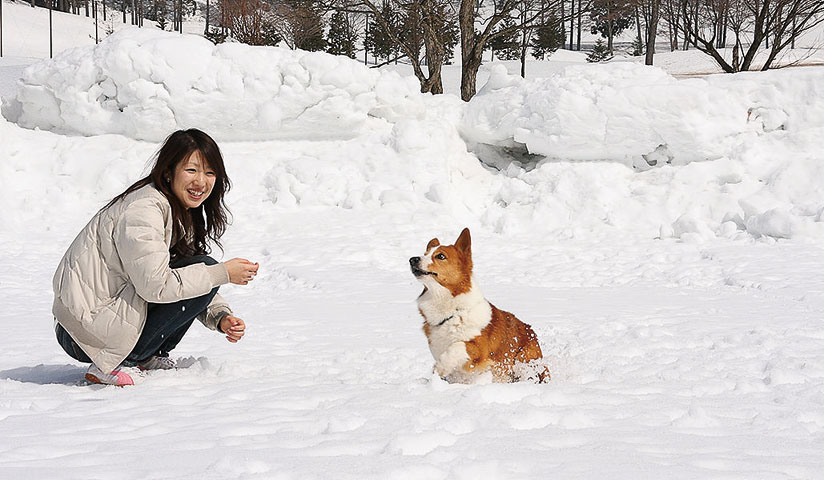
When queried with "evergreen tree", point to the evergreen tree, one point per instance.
{"points": [[610, 18], [378, 41], [637, 47], [547, 39], [599, 52], [215, 35], [411, 33], [446, 29], [300, 24], [505, 47], [162, 13], [341, 38]]}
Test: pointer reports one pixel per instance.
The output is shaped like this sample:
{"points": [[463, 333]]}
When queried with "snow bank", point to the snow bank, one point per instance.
{"points": [[629, 147], [144, 83], [723, 156], [639, 115]]}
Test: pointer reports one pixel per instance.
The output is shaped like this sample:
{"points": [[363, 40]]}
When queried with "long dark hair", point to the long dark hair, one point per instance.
{"points": [[193, 228]]}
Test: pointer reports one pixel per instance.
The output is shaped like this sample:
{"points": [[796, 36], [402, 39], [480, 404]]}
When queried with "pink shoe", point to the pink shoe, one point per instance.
{"points": [[117, 378]]}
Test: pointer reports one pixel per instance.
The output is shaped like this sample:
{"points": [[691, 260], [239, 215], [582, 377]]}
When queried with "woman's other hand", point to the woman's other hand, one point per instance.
{"points": [[241, 271], [233, 327]]}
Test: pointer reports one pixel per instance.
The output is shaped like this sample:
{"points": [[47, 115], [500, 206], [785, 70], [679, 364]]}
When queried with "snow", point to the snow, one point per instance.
{"points": [[678, 305], [143, 83]]}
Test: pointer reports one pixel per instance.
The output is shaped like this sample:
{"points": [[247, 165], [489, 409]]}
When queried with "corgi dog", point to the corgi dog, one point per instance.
{"points": [[467, 335]]}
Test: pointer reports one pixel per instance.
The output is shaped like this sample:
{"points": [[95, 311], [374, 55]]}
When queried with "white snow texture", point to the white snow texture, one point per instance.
{"points": [[663, 237]]}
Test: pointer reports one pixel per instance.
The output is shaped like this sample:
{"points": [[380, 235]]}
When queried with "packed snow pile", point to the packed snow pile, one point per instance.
{"points": [[638, 115], [590, 151], [144, 83]]}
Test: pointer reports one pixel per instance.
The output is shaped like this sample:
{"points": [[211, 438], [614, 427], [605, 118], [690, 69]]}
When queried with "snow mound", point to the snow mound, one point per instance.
{"points": [[144, 83], [635, 114]]}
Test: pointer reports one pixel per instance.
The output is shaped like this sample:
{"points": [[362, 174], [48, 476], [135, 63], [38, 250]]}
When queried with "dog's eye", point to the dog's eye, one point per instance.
{"points": [[440, 256]]}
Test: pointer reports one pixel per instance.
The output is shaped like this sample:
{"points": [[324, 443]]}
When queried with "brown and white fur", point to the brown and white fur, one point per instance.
{"points": [[467, 335]]}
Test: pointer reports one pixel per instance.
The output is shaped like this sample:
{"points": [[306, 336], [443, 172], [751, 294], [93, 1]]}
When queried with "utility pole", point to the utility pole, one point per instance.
{"points": [[94, 12], [51, 35]]}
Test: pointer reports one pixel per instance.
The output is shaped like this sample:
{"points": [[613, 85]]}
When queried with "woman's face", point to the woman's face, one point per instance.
{"points": [[193, 180]]}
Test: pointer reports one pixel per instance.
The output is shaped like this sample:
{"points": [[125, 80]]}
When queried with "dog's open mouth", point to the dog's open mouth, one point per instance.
{"points": [[420, 273]]}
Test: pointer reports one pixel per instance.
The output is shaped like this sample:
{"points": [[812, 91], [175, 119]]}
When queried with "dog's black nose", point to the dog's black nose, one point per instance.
{"points": [[414, 261]]}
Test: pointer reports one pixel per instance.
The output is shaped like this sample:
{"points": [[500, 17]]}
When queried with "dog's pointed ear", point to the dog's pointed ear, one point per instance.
{"points": [[432, 244], [464, 241]]}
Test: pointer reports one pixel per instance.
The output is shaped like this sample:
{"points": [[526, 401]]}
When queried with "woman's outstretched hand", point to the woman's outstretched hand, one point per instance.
{"points": [[241, 271], [233, 327]]}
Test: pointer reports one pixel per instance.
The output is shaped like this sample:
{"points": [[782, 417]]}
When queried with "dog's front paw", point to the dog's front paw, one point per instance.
{"points": [[441, 370]]}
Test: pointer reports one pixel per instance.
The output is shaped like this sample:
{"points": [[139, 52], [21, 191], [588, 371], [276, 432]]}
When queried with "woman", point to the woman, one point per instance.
{"points": [[137, 275]]}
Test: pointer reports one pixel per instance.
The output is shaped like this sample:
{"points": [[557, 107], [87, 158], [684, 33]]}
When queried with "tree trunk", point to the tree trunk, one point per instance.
{"points": [[758, 35], [434, 49], [610, 36], [571, 23], [578, 42], [726, 26], [524, 48], [677, 25], [563, 44], [469, 75], [638, 26], [736, 58], [470, 60], [792, 45], [651, 33]]}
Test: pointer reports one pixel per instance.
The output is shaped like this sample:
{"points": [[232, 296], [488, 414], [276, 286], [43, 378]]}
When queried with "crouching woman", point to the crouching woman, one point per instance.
{"points": [[138, 274]]}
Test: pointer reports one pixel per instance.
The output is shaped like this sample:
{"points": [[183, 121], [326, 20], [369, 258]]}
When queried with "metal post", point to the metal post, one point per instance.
{"points": [[104, 10], [51, 35], [94, 12], [1, 28]]}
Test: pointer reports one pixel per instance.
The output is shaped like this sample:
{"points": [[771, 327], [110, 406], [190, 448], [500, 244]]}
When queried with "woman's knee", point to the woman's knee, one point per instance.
{"points": [[69, 345], [205, 259], [182, 262]]}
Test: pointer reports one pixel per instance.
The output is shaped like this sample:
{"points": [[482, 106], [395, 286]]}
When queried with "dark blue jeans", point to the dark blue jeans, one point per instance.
{"points": [[166, 323]]}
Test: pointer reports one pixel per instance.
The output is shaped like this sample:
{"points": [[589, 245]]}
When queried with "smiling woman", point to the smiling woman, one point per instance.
{"points": [[193, 180], [138, 274]]}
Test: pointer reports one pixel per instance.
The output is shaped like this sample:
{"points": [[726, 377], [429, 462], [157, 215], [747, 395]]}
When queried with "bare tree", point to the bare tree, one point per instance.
{"points": [[246, 19], [650, 12], [431, 18], [752, 22], [653, 10], [474, 42]]}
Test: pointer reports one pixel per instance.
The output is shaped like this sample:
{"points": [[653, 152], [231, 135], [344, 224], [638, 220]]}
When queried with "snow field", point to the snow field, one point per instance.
{"points": [[678, 307]]}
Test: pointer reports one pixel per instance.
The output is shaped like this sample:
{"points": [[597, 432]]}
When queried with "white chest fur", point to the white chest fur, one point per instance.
{"points": [[466, 315]]}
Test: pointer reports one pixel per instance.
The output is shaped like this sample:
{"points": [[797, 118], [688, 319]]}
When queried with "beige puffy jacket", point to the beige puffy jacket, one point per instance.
{"points": [[117, 264]]}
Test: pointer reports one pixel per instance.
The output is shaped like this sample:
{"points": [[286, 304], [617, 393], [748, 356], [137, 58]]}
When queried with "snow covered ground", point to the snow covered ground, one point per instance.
{"points": [[679, 305]]}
